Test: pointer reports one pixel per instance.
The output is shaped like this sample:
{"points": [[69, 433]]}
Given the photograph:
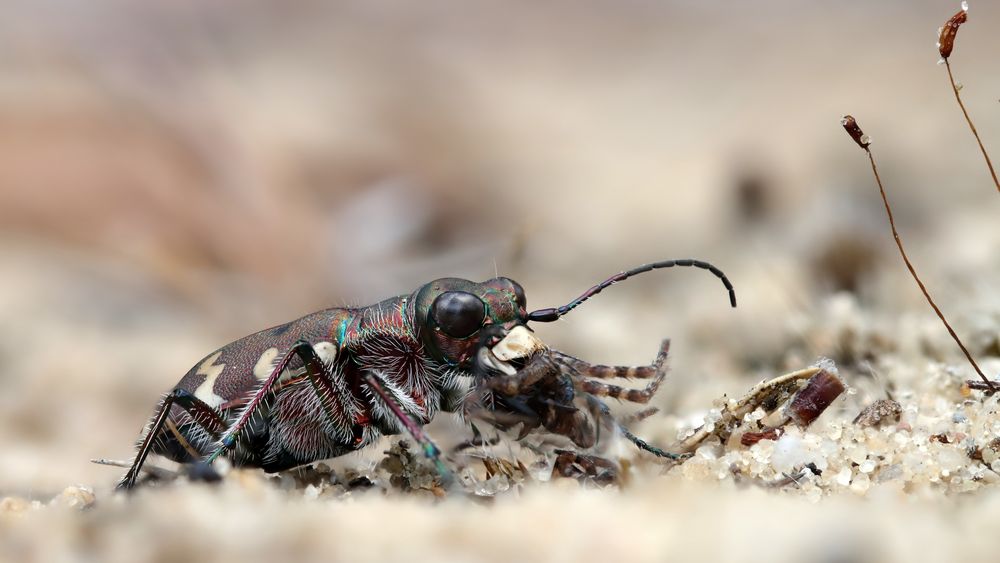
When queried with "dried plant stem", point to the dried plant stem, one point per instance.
{"points": [[916, 278], [968, 119]]}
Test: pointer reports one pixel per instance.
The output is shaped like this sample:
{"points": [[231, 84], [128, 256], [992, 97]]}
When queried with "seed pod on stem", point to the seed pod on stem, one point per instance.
{"points": [[854, 130], [946, 43], [947, 33], [851, 126]]}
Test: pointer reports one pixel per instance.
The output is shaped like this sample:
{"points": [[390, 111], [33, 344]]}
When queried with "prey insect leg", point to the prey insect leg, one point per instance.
{"points": [[615, 372], [201, 413], [514, 412], [512, 385], [582, 369], [646, 446], [595, 389], [641, 396], [601, 411], [575, 464]]}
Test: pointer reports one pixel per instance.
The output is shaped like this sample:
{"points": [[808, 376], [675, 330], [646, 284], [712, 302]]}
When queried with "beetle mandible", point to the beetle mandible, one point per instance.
{"points": [[335, 381]]}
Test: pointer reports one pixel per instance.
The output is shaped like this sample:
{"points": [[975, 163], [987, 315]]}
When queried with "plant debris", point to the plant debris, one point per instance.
{"points": [[880, 412]]}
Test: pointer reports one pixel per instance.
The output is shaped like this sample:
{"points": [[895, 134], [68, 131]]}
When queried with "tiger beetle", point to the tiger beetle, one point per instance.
{"points": [[335, 381]]}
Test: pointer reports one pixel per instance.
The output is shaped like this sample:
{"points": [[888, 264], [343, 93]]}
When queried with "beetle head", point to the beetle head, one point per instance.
{"points": [[457, 317], [463, 322]]}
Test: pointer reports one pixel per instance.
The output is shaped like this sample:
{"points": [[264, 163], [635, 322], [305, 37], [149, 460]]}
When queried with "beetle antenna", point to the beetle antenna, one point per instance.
{"points": [[553, 313]]}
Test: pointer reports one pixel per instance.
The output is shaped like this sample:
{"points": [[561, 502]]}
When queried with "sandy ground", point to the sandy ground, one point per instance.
{"points": [[174, 176]]}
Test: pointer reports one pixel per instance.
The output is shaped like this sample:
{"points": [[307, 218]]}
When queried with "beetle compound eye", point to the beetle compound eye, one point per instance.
{"points": [[458, 314], [522, 301], [519, 298]]}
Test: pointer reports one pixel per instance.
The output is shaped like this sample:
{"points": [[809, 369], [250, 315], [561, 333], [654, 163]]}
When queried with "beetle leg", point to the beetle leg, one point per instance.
{"points": [[201, 414], [315, 371], [208, 418], [319, 377], [429, 448], [613, 372]]}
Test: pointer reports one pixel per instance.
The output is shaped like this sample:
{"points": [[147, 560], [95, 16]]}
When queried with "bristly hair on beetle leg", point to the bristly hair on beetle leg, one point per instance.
{"points": [[946, 42], [554, 313], [863, 141], [429, 448]]}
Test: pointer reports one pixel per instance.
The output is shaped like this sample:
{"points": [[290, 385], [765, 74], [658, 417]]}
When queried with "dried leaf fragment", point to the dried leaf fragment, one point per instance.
{"points": [[815, 397]]}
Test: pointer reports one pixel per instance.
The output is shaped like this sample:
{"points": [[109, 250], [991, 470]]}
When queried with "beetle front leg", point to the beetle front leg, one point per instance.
{"points": [[429, 448]]}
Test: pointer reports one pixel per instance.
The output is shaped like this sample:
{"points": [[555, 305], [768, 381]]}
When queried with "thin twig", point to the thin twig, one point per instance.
{"points": [[968, 119], [913, 272], [989, 387]]}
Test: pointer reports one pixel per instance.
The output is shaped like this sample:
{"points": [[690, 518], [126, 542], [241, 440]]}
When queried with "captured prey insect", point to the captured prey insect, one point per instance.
{"points": [[334, 381]]}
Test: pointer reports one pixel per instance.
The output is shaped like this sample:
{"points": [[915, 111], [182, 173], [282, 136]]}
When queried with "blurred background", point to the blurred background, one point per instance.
{"points": [[177, 174]]}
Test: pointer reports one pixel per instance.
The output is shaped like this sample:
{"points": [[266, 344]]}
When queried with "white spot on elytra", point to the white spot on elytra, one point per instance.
{"points": [[326, 351], [211, 371], [265, 364]]}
